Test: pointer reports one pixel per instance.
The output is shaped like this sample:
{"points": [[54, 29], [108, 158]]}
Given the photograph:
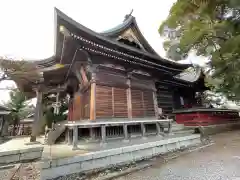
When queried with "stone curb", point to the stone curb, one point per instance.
{"points": [[138, 168]]}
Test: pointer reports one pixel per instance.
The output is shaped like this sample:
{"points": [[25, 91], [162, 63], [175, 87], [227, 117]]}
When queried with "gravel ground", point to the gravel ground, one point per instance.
{"points": [[220, 161], [24, 171]]}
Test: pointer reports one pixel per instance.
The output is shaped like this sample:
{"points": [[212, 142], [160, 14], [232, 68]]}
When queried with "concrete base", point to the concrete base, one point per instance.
{"points": [[110, 157], [22, 155]]}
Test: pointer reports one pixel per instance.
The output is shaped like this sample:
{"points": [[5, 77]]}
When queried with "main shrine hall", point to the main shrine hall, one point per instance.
{"points": [[110, 76]]}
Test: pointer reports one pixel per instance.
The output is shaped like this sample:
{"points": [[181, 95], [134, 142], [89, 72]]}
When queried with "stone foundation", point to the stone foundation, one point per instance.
{"points": [[124, 155], [22, 155]]}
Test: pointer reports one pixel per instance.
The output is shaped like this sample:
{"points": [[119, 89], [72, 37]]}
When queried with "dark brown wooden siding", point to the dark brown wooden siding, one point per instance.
{"points": [[165, 100], [137, 103], [111, 79], [148, 103], [111, 102], [142, 104], [104, 106], [120, 103]]}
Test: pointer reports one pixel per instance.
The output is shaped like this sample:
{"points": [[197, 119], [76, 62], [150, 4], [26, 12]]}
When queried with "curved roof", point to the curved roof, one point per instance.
{"points": [[191, 74], [77, 27]]}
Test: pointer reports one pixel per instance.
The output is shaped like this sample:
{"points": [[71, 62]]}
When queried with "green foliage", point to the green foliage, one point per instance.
{"points": [[211, 28], [18, 106]]}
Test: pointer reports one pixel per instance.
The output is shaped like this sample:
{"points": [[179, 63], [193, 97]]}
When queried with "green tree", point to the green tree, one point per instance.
{"points": [[209, 28], [18, 106]]}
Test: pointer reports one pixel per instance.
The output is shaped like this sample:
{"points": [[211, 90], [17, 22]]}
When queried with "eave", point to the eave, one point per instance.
{"points": [[82, 30]]}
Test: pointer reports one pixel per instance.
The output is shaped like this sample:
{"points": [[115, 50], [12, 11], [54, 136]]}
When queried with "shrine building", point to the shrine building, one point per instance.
{"points": [[114, 75]]}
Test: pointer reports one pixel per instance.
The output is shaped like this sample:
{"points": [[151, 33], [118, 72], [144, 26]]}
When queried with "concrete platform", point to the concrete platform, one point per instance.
{"points": [[15, 151]]}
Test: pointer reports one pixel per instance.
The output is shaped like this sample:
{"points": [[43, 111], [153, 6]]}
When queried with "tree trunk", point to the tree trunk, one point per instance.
{"points": [[1, 126]]}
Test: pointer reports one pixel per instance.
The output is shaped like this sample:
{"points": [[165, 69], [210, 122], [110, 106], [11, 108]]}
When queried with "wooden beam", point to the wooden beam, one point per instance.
{"points": [[93, 97], [50, 89], [155, 104], [129, 98], [143, 104], [113, 110]]}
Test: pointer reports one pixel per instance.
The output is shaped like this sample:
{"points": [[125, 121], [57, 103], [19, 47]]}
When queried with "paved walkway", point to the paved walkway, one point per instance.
{"points": [[218, 162]]}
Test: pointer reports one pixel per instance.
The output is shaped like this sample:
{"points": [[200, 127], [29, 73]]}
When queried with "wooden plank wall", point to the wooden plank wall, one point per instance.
{"points": [[120, 102], [148, 103], [142, 103], [137, 103], [111, 102], [104, 105]]}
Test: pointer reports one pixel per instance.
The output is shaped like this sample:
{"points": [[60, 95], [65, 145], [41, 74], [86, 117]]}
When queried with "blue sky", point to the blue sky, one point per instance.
{"points": [[27, 26]]}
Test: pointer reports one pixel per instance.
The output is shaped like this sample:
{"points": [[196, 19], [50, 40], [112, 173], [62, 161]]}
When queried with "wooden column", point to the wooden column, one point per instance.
{"points": [[155, 103], [66, 135], [70, 109], [103, 134], [92, 134], [113, 109], [93, 97], [1, 124], [159, 129], [69, 136], [38, 115], [129, 98], [143, 129], [75, 137], [125, 131], [170, 127]]}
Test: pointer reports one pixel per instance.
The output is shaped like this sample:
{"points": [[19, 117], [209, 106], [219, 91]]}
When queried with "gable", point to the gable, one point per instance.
{"points": [[129, 34], [132, 38]]}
